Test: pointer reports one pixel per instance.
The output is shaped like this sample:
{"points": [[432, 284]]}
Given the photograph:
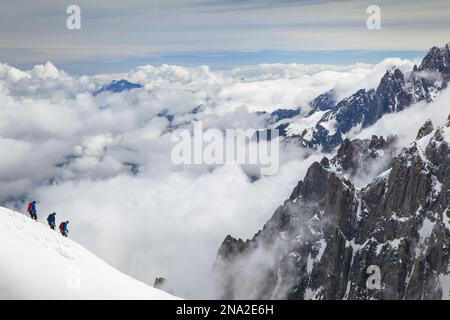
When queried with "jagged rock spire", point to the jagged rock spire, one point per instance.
{"points": [[425, 129], [321, 243]]}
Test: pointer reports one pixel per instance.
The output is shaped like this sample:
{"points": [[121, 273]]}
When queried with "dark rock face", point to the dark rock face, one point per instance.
{"points": [[325, 101], [346, 115], [231, 247], [359, 156], [394, 93], [281, 114], [438, 60], [314, 185], [159, 282], [391, 96], [323, 242], [425, 130]]}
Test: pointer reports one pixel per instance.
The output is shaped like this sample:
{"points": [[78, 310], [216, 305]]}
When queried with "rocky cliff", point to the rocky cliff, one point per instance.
{"points": [[389, 239]]}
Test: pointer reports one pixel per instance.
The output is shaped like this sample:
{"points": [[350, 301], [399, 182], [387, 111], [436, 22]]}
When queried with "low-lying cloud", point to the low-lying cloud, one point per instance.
{"points": [[103, 162]]}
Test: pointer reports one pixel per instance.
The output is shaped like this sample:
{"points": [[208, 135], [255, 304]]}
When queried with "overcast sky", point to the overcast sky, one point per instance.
{"points": [[122, 34]]}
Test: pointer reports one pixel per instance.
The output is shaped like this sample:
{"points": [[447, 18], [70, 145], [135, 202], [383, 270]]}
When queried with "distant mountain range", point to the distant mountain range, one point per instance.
{"points": [[330, 121]]}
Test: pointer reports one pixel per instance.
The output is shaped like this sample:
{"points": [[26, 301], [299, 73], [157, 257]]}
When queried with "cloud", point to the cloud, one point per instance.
{"points": [[406, 124], [171, 225], [104, 162], [263, 87]]}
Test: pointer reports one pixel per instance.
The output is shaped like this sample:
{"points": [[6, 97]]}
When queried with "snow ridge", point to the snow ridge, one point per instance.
{"points": [[38, 263]]}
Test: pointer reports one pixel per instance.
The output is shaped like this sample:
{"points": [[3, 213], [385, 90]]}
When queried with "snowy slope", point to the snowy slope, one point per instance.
{"points": [[298, 127], [38, 263]]}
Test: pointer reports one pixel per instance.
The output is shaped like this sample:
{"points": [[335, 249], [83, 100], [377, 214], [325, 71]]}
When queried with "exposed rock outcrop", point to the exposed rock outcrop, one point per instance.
{"points": [[325, 241], [425, 130]]}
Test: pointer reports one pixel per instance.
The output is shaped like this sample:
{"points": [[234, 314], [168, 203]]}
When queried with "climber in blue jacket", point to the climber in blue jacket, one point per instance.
{"points": [[32, 210], [51, 219]]}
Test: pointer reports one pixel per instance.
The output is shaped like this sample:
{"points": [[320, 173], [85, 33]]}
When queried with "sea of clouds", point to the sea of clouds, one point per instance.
{"points": [[103, 162]]}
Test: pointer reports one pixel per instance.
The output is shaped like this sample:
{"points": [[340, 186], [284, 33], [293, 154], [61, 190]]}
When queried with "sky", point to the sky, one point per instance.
{"points": [[118, 35]]}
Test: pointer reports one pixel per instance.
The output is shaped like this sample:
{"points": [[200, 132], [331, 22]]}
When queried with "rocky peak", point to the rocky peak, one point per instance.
{"points": [[358, 154], [314, 184], [437, 60], [325, 101], [230, 247], [117, 86], [325, 162], [281, 114], [392, 81], [391, 96], [425, 130], [338, 121], [377, 142], [348, 154]]}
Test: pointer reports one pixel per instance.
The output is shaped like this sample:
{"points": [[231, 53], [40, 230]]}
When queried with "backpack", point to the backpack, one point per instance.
{"points": [[61, 226], [30, 207]]}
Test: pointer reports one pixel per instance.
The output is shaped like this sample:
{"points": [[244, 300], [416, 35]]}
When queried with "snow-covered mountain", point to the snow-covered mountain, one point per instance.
{"points": [[117, 86], [327, 239], [38, 263], [329, 122]]}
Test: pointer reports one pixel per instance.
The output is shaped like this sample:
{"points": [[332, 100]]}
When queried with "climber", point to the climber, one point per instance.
{"points": [[51, 219], [63, 228], [32, 210]]}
